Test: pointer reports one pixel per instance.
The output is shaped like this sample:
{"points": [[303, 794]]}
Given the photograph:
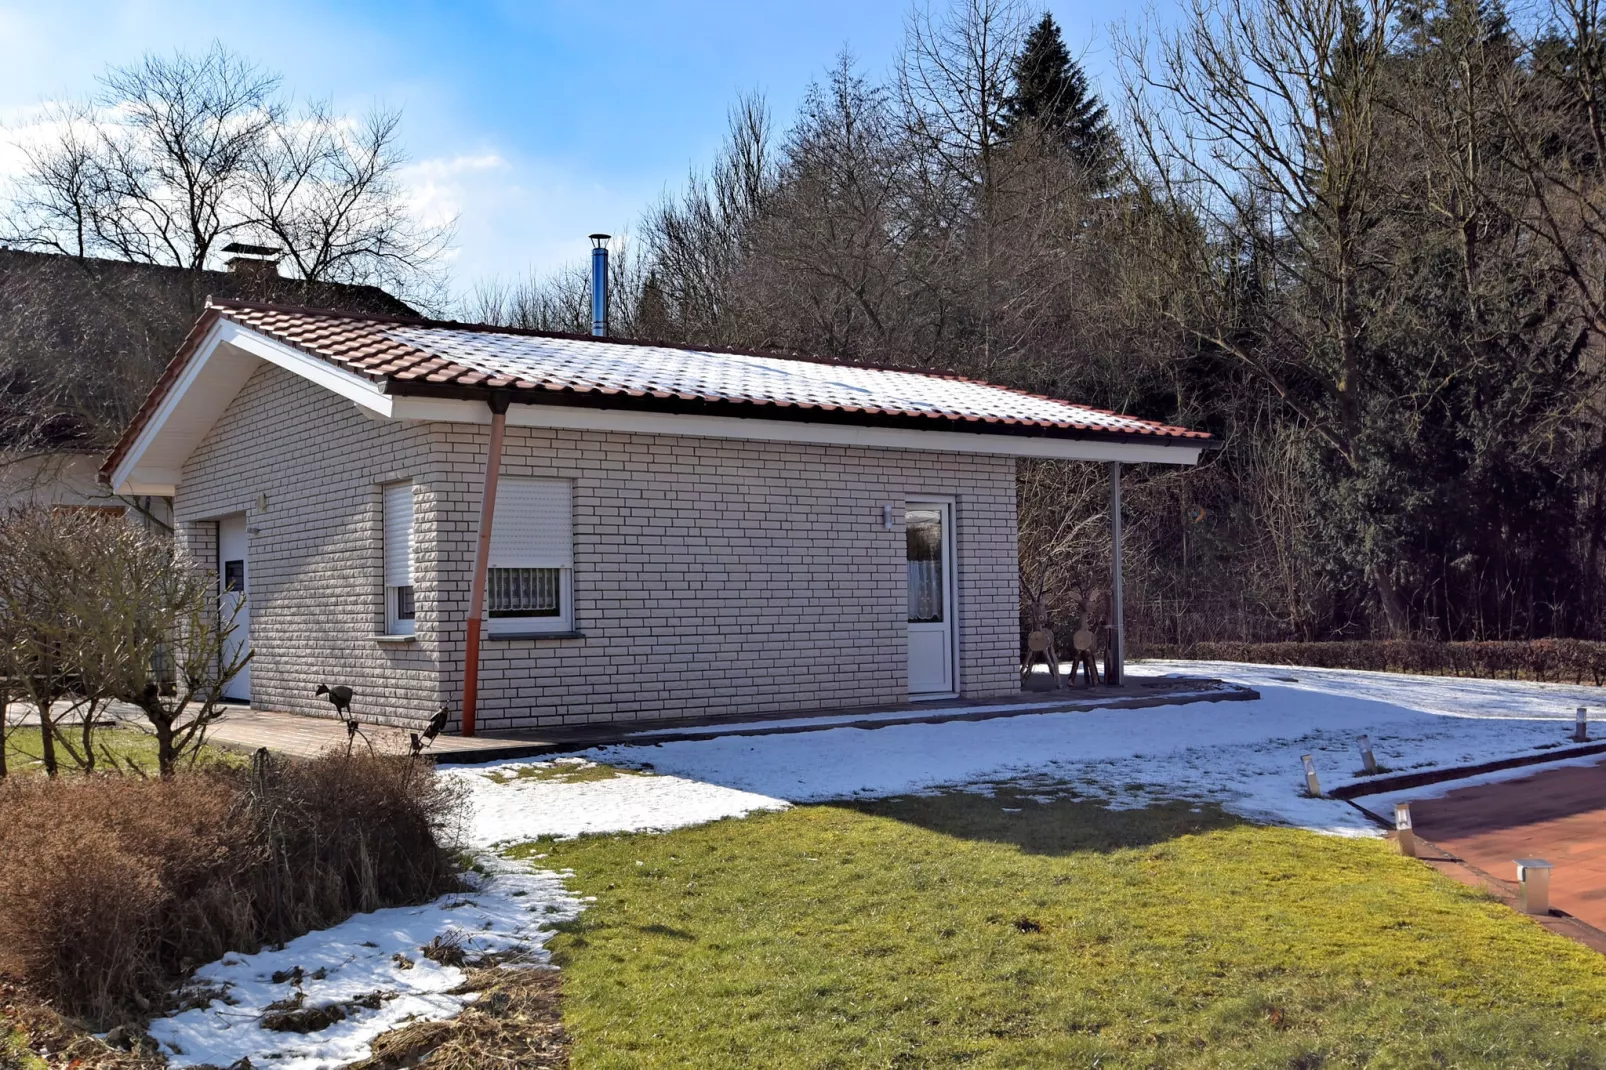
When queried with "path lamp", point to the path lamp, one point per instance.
{"points": [[1312, 785], [1581, 726], [1368, 760], [1405, 835], [1533, 874]]}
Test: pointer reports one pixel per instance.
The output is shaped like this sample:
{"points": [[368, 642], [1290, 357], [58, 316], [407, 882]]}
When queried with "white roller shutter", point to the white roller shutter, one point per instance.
{"points": [[534, 524], [399, 535]]}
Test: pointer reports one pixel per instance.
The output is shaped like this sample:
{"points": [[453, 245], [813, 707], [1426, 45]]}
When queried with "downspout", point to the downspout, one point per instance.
{"points": [[482, 557], [1115, 661]]}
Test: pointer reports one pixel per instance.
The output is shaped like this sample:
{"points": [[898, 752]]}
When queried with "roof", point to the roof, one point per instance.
{"points": [[406, 357]]}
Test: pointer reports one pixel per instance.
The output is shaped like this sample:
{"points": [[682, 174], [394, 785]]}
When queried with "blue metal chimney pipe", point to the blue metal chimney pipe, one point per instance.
{"points": [[599, 285]]}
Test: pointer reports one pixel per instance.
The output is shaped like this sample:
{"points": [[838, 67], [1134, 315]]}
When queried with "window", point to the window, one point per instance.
{"points": [[923, 534], [528, 578], [399, 612]]}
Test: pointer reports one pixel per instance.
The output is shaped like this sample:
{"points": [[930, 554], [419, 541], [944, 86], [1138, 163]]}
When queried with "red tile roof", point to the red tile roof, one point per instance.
{"points": [[430, 357]]}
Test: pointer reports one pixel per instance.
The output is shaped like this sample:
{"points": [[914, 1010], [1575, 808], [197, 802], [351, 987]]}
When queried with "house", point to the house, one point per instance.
{"points": [[672, 532], [81, 341]]}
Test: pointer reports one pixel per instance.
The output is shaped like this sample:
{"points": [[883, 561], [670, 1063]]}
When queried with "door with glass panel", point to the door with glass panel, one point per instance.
{"points": [[232, 543], [928, 533]]}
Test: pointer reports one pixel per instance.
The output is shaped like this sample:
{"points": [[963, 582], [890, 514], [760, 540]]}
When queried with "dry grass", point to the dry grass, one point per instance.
{"points": [[65, 1041], [560, 770], [516, 1022], [113, 888]]}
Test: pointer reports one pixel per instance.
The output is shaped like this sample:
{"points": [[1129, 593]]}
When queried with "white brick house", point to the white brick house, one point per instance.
{"points": [[676, 533]]}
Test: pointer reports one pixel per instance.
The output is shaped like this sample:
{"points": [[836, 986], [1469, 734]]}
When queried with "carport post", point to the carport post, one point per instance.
{"points": [[482, 557], [1115, 661]]}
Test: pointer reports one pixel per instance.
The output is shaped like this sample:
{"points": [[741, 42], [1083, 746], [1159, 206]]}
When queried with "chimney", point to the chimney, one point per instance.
{"points": [[599, 285], [256, 261]]}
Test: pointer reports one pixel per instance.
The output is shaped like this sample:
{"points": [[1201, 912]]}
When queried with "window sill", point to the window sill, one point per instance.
{"points": [[393, 638], [490, 635]]}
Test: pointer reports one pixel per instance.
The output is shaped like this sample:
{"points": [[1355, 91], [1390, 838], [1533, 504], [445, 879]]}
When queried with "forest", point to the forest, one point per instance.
{"points": [[1362, 242]]}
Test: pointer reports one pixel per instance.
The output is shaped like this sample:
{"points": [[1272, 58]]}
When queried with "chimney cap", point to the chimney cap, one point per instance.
{"points": [[251, 250], [599, 240]]}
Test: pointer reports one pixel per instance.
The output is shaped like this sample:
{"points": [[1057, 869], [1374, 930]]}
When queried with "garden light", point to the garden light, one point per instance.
{"points": [[1403, 831], [1311, 783], [1533, 874]]}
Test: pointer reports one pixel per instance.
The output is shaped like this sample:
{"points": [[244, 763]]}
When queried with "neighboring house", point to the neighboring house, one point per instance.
{"points": [[83, 339], [65, 479], [676, 532]]}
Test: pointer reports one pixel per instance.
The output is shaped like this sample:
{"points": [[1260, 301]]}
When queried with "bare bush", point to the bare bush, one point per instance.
{"points": [[113, 888], [93, 610]]}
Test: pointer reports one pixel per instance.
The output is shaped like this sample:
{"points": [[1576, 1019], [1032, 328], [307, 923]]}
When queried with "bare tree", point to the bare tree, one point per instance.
{"points": [[162, 643], [327, 192], [1258, 122], [177, 155], [49, 564], [955, 82]]}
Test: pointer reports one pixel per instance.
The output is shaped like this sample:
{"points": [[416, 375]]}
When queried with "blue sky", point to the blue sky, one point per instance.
{"points": [[535, 123]]}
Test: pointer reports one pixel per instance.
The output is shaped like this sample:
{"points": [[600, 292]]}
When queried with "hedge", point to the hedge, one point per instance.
{"points": [[1556, 660]]}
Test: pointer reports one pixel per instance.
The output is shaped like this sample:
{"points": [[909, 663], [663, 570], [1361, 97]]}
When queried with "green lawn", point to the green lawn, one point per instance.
{"points": [[953, 932], [23, 752]]}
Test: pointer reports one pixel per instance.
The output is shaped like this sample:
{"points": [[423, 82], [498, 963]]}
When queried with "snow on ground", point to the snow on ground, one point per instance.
{"points": [[1450, 695], [514, 801], [1243, 755], [371, 966]]}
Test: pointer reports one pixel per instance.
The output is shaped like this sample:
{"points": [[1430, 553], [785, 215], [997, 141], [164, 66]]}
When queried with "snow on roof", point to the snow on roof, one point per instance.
{"points": [[426, 357]]}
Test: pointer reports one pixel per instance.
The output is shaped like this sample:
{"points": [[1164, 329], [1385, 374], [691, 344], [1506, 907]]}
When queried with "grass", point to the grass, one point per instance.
{"points": [[14, 1053], [129, 745], [560, 770], [951, 931]]}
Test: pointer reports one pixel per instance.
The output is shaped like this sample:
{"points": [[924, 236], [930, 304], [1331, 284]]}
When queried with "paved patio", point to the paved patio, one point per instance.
{"points": [[288, 733], [1558, 815]]}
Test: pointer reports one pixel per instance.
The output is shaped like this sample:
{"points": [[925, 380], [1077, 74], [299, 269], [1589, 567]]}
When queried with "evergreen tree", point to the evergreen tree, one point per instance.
{"points": [[1052, 93]]}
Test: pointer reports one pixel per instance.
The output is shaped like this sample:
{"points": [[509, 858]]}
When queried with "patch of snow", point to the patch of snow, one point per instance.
{"points": [[510, 911], [507, 807], [1451, 696], [1243, 755]]}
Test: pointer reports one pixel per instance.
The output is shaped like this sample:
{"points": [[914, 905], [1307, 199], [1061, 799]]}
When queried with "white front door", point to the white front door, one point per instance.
{"points": [[929, 537], [231, 570]]}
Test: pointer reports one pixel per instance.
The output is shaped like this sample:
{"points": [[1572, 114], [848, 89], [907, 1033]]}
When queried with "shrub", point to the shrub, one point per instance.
{"points": [[1556, 660], [113, 888]]}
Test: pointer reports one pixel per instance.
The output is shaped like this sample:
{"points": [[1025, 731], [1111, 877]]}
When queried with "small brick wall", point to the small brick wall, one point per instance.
{"points": [[710, 576]]}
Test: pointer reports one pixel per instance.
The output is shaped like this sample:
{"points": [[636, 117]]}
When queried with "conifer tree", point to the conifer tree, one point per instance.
{"points": [[1052, 92]]}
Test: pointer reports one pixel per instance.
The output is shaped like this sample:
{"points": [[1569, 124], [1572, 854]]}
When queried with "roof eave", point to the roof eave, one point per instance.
{"points": [[675, 406]]}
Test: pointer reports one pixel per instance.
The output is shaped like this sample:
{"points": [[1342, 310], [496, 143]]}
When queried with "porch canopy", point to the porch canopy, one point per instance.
{"points": [[415, 369]]}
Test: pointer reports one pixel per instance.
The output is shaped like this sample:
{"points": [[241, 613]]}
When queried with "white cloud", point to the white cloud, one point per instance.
{"points": [[437, 187], [516, 216]]}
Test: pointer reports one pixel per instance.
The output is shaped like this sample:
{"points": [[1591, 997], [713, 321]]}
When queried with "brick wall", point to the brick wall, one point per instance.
{"points": [[710, 576], [313, 568], [717, 577]]}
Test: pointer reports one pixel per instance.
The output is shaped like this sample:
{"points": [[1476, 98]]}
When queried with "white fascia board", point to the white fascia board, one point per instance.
{"points": [[326, 375], [133, 476], [580, 418]]}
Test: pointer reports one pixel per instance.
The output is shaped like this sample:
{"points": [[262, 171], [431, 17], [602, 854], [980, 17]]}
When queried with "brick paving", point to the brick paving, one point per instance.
{"points": [[1558, 815]]}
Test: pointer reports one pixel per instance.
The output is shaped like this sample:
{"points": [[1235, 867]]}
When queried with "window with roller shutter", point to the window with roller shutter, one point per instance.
{"points": [[528, 582], [399, 607]]}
